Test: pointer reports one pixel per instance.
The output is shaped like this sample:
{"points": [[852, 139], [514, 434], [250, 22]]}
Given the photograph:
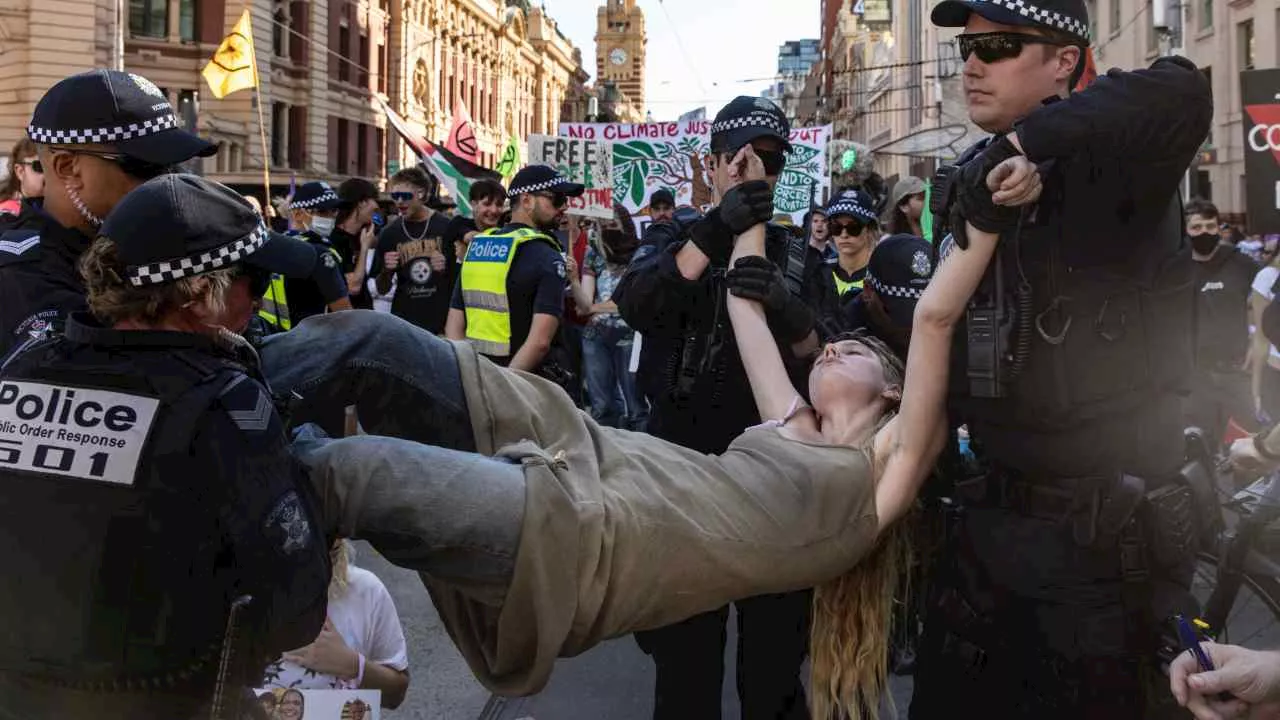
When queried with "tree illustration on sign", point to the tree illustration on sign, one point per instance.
{"points": [[638, 164]]}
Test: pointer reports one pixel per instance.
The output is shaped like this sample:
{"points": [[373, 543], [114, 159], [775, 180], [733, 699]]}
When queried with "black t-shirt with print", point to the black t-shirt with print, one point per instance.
{"points": [[535, 285], [348, 247], [422, 292]]}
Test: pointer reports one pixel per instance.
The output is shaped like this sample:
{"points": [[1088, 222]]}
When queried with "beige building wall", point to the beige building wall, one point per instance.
{"points": [[510, 67], [1223, 37]]}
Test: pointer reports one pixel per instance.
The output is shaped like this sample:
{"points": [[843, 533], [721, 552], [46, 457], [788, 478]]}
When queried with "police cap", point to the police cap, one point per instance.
{"points": [[543, 178], [899, 270], [746, 118], [115, 108], [1069, 16], [182, 225], [854, 203], [315, 196]]}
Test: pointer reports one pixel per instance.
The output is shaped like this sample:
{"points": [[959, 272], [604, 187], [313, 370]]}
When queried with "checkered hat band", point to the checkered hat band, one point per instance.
{"points": [[1041, 16], [170, 270], [326, 196], [850, 208], [753, 120], [896, 291], [537, 187], [49, 136]]}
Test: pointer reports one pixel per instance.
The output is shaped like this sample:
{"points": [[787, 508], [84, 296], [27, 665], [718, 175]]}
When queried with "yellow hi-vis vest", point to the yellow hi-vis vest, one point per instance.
{"points": [[484, 287], [842, 287], [275, 305]]}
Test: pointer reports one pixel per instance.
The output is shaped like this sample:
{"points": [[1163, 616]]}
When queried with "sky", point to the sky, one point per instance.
{"points": [[724, 42]]}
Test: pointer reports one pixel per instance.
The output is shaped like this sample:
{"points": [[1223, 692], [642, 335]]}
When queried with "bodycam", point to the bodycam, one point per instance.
{"points": [[59, 405]]}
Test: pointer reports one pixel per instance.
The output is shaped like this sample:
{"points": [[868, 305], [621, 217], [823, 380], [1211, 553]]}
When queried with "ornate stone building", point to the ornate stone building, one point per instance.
{"points": [[322, 65], [620, 56]]}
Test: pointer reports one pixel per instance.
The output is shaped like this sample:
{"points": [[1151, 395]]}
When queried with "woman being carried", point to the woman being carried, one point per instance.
{"points": [[540, 534]]}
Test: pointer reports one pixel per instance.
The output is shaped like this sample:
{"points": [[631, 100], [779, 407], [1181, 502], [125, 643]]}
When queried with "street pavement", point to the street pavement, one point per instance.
{"points": [[613, 680]]}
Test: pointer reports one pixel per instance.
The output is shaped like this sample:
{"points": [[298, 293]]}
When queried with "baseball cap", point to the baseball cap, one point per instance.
{"points": [[899, 270], [315, 195], [1069, 16], [662, 196], [907, 186], [856, 203], [115, 108], [543, 178], [181, 225], [746, 118]]}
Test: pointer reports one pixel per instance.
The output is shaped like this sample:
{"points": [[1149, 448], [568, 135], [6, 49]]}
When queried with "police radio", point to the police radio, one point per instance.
{"points": [[990, 317]]}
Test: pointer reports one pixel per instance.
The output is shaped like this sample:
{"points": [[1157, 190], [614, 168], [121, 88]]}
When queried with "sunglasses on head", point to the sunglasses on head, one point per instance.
{"points": [[403, 196], [557, 200], [997, 46], [852, 227]]}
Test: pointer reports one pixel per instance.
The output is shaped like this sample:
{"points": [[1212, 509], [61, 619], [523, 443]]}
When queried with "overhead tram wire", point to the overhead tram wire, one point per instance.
{"points": [[675, 32]]}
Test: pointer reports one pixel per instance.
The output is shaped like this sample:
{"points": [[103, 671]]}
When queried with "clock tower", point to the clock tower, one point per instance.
{"points": [[620, 48]]}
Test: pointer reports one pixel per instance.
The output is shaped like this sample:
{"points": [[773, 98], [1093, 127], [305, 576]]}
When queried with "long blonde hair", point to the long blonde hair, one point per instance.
{"points": [[849, 636]]}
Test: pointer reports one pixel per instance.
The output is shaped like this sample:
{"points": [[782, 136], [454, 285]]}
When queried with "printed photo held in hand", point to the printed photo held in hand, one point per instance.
{"points": [[1244, 684]]}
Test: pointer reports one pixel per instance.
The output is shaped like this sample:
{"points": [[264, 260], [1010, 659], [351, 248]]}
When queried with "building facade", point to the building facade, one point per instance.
{"points": [[620, 57], [322, 65], [1223, 38], [795, 59]]}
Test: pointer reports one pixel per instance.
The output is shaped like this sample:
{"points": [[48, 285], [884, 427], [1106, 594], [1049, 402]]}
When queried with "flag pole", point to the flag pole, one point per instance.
{"points": [[262, 124]]}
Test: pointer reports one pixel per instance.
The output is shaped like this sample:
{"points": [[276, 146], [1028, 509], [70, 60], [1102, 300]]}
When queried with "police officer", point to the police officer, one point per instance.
{"points": [[851, 220], [1078, 344], [290, 300], [510, 294], [98, 135], [897, 274], [673, 293], [162, 538]]}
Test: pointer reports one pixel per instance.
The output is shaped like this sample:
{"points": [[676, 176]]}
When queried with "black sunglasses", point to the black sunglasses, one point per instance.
{"points": [[131, 166], [773, 160], [259, 279], [35, 165], [853, 227], [557, 200], [403, 196], [996, 46]]}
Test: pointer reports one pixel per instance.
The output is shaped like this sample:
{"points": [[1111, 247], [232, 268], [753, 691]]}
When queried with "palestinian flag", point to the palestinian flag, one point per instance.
{"points": [[455, 173]]}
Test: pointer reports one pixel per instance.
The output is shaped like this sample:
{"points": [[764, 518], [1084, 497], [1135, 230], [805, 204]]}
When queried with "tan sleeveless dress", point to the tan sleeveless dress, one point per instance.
{"points": [[626, 532]]}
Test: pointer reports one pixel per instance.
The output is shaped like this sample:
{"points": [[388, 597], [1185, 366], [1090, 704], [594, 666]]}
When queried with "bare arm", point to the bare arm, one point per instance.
{"points": [[770, 384], [909, 445], [584, 291], [535, 347], [455, 327], [393, 683]]}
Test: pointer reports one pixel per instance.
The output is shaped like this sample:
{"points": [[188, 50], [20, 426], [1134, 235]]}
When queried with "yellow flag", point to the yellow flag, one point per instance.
{"points": [[233, 66], [510, 161]]}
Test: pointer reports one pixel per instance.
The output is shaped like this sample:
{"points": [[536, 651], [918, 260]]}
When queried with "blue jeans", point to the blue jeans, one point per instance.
{"points": [[421, 495], [615, 400]]}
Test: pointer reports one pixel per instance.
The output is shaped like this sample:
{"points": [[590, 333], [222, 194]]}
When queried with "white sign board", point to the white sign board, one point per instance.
{"points": [[77, 432], [589, 162]]}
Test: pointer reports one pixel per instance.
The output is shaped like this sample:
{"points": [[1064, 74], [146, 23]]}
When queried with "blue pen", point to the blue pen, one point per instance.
{"points": [[1191, 643]]}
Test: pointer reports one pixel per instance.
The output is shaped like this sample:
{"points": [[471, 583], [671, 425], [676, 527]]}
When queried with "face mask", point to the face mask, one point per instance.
{"points": [[322, 226], [1203, 244]]}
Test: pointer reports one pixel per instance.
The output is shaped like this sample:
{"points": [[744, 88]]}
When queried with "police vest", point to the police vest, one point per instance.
{"points": [[484, 287], [116, 578], [842, 287], [274, 307]]}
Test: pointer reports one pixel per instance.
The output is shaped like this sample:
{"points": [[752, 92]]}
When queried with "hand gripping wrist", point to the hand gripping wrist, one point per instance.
{"points": [[746, 206]]}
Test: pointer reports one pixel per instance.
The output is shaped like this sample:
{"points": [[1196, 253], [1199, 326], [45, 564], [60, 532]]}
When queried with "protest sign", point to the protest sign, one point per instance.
{"points": [[589, 162], [648, 157], [320, 704]]}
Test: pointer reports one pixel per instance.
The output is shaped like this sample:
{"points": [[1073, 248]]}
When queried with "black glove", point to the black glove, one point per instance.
{"points": [[746, 206], [973, 197], [713, 238], [755, 278]]}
